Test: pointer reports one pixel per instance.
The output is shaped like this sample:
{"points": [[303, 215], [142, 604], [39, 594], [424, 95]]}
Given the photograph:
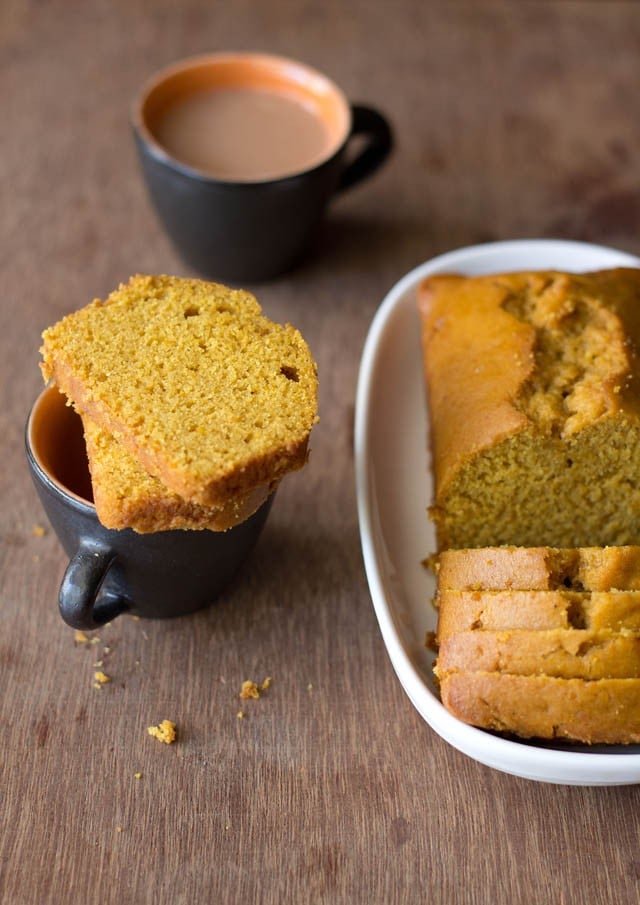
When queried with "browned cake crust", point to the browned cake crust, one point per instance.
{"points": [[534, 404], [604, 711], [545, 568], [463, 611]]}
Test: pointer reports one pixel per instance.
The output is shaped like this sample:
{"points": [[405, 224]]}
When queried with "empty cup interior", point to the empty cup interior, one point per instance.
{"points": [[56, 440]]}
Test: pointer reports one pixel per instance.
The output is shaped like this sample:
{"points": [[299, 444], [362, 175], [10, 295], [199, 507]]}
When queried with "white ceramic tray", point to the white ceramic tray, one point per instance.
{"points": [[393, 489]]}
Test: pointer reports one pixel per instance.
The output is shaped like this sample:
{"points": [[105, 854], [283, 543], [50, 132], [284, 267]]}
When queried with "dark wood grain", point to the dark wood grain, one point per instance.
{"points": [[512, 119]]}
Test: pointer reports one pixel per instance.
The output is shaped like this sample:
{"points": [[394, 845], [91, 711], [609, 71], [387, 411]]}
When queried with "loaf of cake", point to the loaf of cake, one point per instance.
{"points": [[601, 711], [544, 568], [463, 611], [126, 496], [533, 385], [209, 396]]}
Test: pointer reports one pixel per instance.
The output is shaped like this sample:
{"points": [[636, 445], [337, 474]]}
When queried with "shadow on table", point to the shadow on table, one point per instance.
{"points": [[348, 244], [292, 568]]}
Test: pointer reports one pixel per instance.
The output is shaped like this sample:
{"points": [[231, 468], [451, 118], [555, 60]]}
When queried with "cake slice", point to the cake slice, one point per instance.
{"points": [[126, 496], [207, 394], [464, 611], [603, 711], [563, 653], [545, 568]]}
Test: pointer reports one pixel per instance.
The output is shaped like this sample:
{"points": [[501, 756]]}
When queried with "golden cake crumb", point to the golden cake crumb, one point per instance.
{"points": [[431, 642], [101, 677], [38, 531], [137, 775], [80, 637], [165, 732], [249, 690], [118, 829], [240, 714]]}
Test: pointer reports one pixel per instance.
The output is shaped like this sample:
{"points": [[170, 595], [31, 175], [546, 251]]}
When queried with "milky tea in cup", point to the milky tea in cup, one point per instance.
{"points": [[245, 134], [243, 152]]}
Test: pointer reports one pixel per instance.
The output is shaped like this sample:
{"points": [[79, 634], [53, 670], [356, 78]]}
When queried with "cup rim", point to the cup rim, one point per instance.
{"points": [[198, 60], [42, 472]]}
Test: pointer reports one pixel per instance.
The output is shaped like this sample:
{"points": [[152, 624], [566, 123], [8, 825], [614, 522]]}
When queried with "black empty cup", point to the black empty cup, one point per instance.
{"points": [[252, 229]]}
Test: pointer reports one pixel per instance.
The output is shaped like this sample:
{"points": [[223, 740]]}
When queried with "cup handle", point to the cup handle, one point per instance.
{"points": [[379, 141], [81, 604]]}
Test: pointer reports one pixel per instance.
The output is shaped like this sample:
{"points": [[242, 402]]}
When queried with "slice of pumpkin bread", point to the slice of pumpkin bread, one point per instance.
{"points": [[463, 611], [605, 711], [207, 394], [543, 568], [126, 496], [565, 653]]}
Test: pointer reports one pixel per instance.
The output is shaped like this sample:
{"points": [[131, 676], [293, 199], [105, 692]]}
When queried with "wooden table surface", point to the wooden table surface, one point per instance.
{"points": [[514, 119]]}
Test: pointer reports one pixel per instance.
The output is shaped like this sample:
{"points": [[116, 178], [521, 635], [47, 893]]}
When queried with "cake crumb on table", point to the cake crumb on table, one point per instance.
{"points": [[39, 531], [81, 637], [101, 677], [164, 732], [240, 714], [251, 689]]}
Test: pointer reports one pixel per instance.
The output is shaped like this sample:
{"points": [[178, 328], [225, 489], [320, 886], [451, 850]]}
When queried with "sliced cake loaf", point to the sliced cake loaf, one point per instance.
{"points": [[530, 643], [534, 402], [207, 394]]}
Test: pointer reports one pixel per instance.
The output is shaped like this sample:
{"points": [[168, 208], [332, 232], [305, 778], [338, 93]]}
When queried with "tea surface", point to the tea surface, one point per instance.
{"points": [[244, 134]]}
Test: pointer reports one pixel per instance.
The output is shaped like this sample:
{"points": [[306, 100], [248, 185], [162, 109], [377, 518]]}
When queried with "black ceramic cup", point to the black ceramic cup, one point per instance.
{"points": [[166, 574], [252, 229]]}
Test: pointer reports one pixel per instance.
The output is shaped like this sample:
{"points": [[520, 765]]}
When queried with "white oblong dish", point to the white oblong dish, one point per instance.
{"points": [[393, 487]]}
